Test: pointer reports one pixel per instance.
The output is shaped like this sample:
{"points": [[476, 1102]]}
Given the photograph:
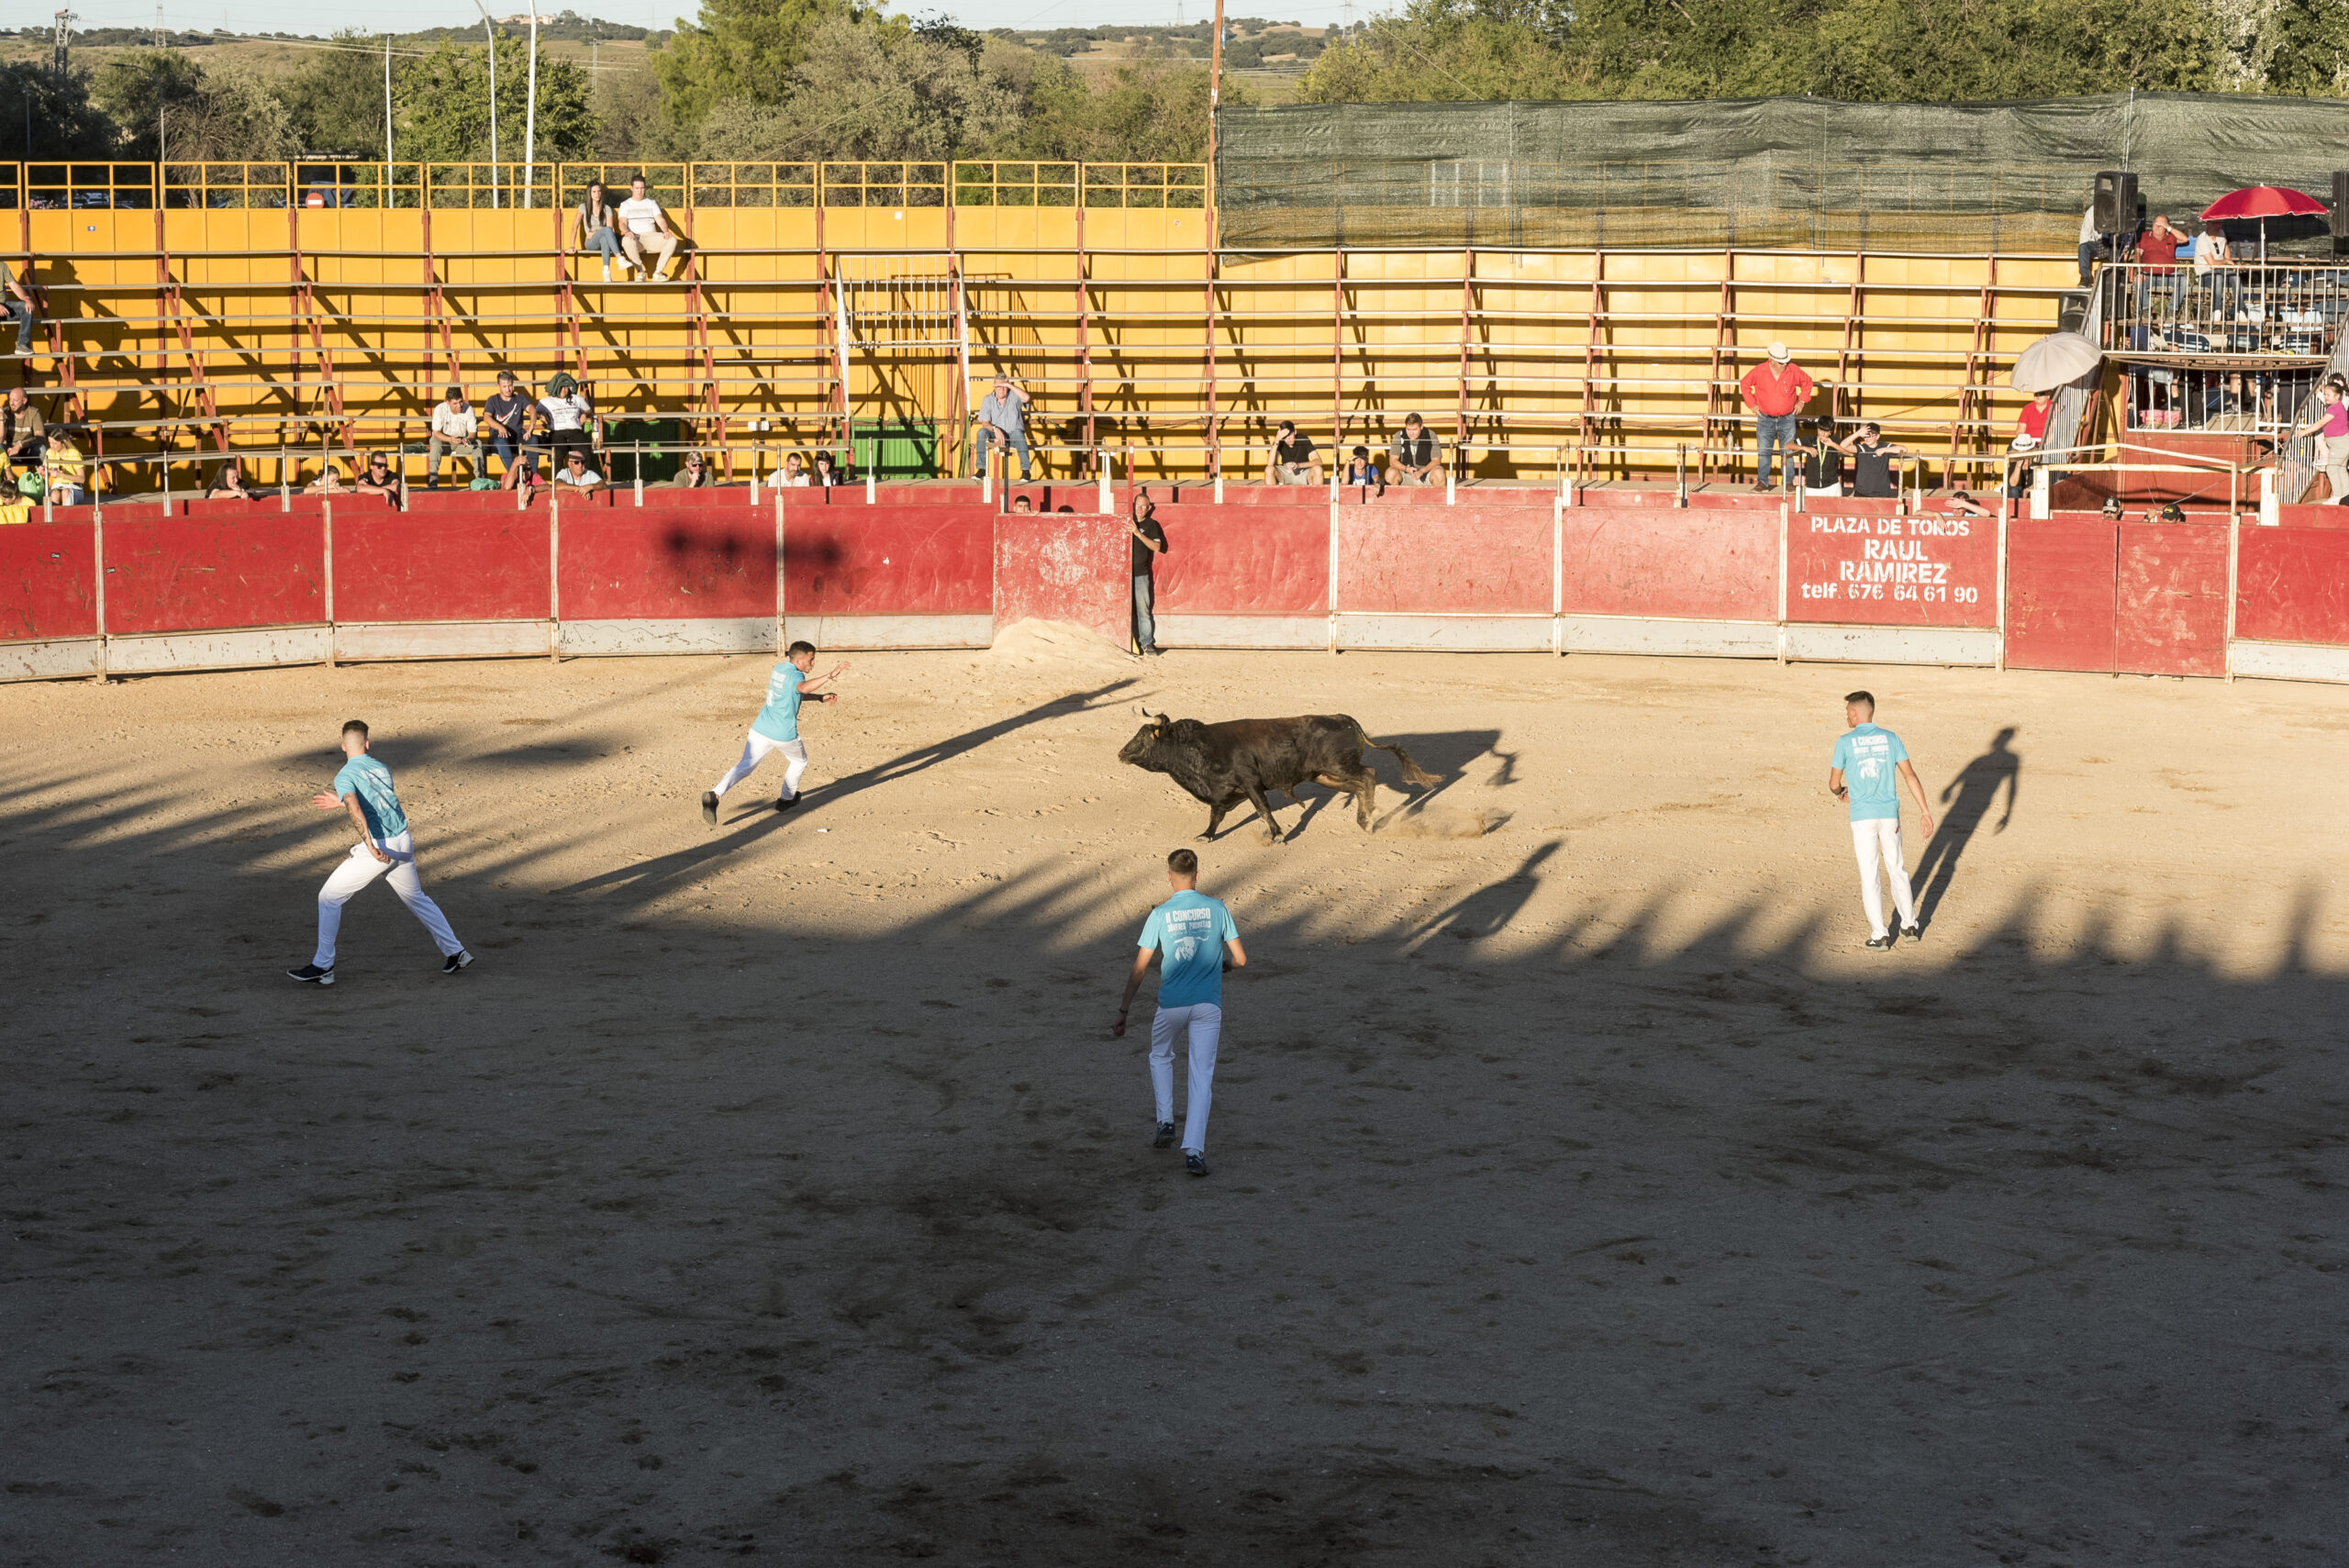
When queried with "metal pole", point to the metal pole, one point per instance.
{"points": [[387, 120], [491, 35]]}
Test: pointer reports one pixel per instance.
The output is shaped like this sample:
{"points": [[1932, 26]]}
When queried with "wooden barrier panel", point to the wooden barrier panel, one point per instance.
{"points": [[47, 581], [459, 566], [168, 574], [1679, 566], [1066, 566], [2171, 602], [1251, 561], [673, 563], [2062, 586], [888, 576], [1457, 561], [2293, 585], [1854, 569]]}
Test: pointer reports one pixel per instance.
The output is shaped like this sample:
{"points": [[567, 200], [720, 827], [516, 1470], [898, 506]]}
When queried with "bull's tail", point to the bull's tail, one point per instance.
{"points": [[1412, 772]]}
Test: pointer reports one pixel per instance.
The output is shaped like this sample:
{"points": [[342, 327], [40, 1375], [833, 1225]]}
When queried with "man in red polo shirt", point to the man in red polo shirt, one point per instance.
{"points": [[1774, 391], [2158, 266]]}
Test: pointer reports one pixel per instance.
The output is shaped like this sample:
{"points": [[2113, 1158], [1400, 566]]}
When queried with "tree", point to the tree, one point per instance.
{"points": [[874, 89], [337, 99], [1149, 112], [443, 104], [1447, 50], [135, 88], [744, 49], [55, 111], [2303, 47]]}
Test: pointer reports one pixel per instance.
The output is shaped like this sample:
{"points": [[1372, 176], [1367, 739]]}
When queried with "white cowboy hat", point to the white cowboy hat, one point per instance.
{"points": [[1779, 352]]}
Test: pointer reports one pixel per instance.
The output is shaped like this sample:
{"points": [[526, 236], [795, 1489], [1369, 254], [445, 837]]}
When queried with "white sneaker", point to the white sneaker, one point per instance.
{"points": [[608, 271]]}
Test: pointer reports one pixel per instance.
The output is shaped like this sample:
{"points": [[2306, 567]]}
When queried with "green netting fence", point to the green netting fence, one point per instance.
{"points": [[1802, 173]]}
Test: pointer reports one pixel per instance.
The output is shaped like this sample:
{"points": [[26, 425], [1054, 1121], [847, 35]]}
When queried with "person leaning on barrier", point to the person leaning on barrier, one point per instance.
{"points": [[1417, 456], [645, 229], [23, 433], [229, 483], [692, 474], [826, 475], [1873, 459], [574, 474], [598, 228], [1361, 472], [1294, 461], [454, 430], [1822, 461], [377, 478], [2328, 421], [794, 475]]}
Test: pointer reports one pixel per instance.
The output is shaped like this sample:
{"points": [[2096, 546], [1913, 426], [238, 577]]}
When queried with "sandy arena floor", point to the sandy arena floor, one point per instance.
{"points": [[1583, 1194]]}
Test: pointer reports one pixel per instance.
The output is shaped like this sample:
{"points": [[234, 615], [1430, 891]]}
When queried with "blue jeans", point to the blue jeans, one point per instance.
{"points": [[2173, 285], [990, 437], [24, 315], [1772, 432], [606, 242], [504, 446]]}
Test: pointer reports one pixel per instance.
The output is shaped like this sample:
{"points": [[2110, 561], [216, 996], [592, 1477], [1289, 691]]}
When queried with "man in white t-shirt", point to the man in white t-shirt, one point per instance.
{"points": [[455, 430], [2091, 244], [643, 228]]}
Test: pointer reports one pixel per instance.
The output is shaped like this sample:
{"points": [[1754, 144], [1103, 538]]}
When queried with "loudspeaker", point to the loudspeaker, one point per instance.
{"points": [[2072, 311], [2341, 204], [2116, 201]]}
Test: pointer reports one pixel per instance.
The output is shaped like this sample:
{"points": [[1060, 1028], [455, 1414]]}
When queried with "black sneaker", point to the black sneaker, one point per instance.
{"points": [[709, 808], [787, 802], [1880, 943], [455, 961], [1913, 933], [311, 974], [1195, 1163], [1165, 1139]]}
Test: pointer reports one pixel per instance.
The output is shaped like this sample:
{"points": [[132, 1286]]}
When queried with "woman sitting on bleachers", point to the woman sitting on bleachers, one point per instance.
{"points": [[229, 483]]}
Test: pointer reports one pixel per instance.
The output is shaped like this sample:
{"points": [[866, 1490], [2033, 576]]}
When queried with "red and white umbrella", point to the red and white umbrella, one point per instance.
{"points": [[2263, 202]]}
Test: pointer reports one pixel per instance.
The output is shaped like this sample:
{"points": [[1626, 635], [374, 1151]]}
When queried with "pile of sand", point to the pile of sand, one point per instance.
{"points": [[1057, 646]]}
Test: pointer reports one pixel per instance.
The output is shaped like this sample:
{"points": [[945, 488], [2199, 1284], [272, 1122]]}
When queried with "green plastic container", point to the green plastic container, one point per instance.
{"points": [[663, 443], [894, 448]]}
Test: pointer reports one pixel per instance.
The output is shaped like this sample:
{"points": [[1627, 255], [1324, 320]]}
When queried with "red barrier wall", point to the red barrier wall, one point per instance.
{"points": [[2294, 585], [1250, 561], [465, 565], [1450, 560], [1065, 567], [686, 564], [208, 573], [2062, 578], [47, 581], [2171, 604], [229, 506], [1933, 570], [1690, 565], [893, 561]]}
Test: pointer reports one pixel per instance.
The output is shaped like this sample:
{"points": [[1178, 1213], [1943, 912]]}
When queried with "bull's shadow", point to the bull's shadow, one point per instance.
{"points": [[1445, 753]]}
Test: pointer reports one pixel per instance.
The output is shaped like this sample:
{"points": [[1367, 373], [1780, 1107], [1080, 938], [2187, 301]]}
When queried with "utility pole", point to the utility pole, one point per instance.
{"points": [[1215, 89], [490, 33], [159, 24], [531, 117], [387, 120]]}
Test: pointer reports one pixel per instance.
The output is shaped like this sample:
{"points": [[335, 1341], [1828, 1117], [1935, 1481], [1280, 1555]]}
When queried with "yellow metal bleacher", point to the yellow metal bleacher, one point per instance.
{"points": [[322, 307]]}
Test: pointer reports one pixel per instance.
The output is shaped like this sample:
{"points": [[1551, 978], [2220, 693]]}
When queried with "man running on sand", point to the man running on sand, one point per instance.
{"points": [[777, 729], [1871, 759], [363, 788], [1196, 943]]}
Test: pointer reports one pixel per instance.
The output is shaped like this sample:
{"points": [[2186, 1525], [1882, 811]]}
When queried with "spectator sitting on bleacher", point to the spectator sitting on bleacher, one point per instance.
{"points": [[1418, 455], [646, 230], [826, 475], [454, 429], [22, 432], [508, 413], [229, 483], [1361, 470], [64, 469], [567, 411], [597, 229], [537, 435], [691, 475], [1871, 460], [1294, 460], [574, 474], [795, 472], [377, 478], [17, 301]]}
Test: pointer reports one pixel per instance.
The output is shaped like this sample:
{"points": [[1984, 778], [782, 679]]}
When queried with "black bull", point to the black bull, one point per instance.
{"points": [[1245, 759]]}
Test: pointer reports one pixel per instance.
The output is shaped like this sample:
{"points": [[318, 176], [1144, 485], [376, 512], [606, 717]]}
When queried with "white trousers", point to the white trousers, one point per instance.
{"points": [[357, 870], [1878, 843], [755, 749], [1203, 1022]]}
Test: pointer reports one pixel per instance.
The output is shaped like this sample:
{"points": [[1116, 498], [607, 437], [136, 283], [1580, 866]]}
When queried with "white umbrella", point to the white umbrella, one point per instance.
{"points": [[2057, 360]]}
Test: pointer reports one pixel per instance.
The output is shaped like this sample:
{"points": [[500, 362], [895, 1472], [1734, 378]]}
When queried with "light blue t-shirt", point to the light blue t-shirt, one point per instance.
{"points": [[1189, 930], [779, 720], [371, 783], [1869, 758]]}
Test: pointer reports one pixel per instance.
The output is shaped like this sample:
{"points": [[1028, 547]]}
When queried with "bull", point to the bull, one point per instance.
{"points": [[1246, 758]]}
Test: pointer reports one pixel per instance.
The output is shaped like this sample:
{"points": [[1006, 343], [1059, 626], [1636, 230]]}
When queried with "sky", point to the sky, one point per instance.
{"points": [[305, 16]]}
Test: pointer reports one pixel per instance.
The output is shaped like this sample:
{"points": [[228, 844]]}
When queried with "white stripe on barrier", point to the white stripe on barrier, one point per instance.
{"points": [[1891, 644], [830, 633], [164, 651], [361, 641], [1243, 632], [2289, 660], [733, 634]]}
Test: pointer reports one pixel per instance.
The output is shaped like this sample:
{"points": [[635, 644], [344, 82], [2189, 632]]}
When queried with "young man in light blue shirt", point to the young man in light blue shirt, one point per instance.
{"points": [[1195, 941], [363, 788], [777, 729], [1869, 763]]}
